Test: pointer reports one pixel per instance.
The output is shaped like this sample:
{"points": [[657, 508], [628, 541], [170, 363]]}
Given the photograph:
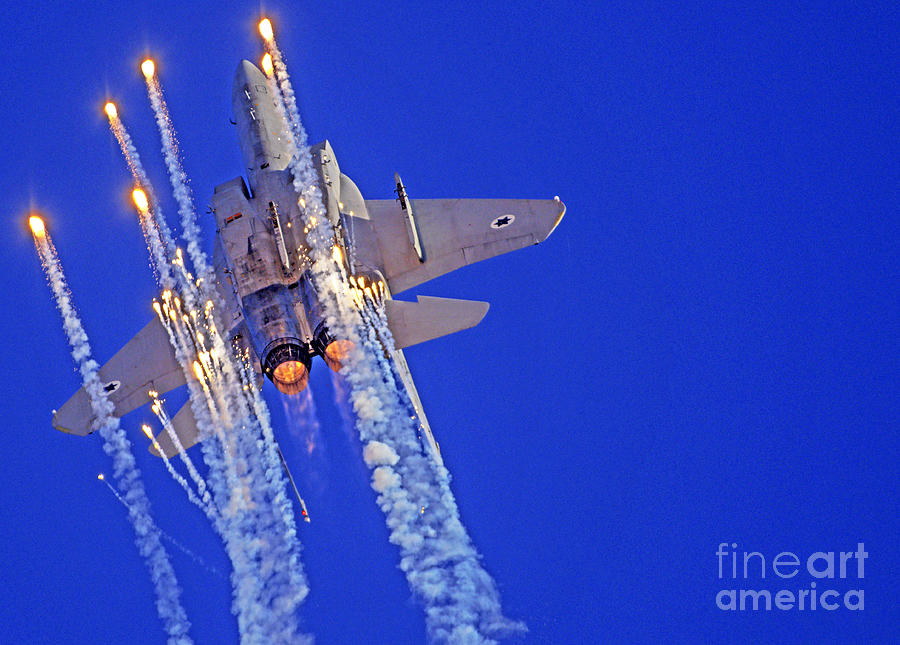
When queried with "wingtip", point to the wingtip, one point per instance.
{"points": [[559, 217], [54, 421]]}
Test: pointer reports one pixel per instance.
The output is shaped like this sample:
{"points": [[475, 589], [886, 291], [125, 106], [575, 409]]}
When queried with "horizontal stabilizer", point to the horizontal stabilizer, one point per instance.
{"points": [[415, 322], [146, 362], [185, 426]]}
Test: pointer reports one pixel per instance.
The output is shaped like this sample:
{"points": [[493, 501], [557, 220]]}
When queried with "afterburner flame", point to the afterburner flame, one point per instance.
{"points": [[267, 66], [110, 109], [290, 377], [337, 353], [265, 29], [37, 226], [140, 200], [148, 68]]}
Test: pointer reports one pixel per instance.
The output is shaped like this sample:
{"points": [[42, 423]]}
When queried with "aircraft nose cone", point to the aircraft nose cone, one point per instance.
{"points": [[247, 74]]}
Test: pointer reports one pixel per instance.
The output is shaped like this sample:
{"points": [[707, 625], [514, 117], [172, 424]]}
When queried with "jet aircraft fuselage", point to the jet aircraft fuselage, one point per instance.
{"points": [[273, 316], [261, 256]]}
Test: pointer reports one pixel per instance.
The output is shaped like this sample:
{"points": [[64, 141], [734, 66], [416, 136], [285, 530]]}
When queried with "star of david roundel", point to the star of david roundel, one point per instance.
{"points": [[503, 221]]}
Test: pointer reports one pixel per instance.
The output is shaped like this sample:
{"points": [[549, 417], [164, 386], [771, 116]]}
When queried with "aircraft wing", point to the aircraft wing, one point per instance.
{"points": [[451, 233], [146, 362]]}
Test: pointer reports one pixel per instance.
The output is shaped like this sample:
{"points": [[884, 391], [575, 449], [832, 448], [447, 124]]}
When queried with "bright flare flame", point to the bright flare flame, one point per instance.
{"points": [[110, 109], [100, 476], [37, 226], [265, 30], [147, 431], [148, 68], [267, 66], [140, 200], [198, 371], [336, 254]]}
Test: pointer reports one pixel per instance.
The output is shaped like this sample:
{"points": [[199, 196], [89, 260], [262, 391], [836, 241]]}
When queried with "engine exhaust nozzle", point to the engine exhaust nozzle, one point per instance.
{"points": [[287, 362]]}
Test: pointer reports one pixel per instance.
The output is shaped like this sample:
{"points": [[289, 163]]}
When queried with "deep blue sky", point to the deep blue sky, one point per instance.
{"points": [[705, 351]]}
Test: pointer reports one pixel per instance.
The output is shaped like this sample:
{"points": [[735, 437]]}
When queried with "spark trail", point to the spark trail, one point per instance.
{"points": [[168, 538], [192, 497], [159, 410], [462, 604], [117, 445]]}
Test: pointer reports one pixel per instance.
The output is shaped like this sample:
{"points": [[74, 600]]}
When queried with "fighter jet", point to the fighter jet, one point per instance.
{"points": [[272, 315]]}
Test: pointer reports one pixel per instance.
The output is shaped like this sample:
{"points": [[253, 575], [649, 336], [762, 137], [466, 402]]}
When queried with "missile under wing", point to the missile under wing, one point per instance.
{"points": [[271, 312]]}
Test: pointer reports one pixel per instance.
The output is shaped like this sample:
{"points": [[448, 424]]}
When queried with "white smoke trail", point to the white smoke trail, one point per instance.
{"points": [[190, 230], [117, 445], [443, 568], [133, 159]]}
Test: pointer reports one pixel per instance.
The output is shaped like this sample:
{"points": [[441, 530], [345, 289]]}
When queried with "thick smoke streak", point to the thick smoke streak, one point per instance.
{"points": [[117, 445], [442, 567]]}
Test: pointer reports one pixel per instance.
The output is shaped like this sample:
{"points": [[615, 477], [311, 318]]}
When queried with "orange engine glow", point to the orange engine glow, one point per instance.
{"points": [[337, 353], [290, 377]]}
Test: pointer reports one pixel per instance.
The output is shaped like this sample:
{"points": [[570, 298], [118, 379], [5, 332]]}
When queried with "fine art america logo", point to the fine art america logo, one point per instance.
{"points": [[826, 580]]}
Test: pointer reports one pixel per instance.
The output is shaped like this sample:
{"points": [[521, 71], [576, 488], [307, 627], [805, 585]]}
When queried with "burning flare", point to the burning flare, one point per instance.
{"points": [[37, 226], [110, 109], [267, 66], [265, 30], [148, 68], [140, 200]]}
